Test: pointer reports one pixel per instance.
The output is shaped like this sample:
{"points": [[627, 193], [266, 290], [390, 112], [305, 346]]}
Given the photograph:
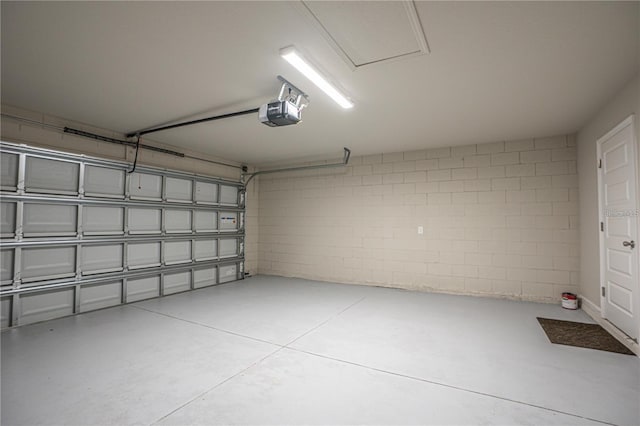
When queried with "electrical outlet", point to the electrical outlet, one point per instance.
{"points": [[420, 230]]}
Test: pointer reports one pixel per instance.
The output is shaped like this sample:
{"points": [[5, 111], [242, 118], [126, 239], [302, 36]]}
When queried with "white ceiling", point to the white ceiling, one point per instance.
{"points": [[496, 71]]}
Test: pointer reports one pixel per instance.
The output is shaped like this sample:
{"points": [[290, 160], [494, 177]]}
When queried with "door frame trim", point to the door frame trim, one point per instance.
{"points": [[630, 120]]}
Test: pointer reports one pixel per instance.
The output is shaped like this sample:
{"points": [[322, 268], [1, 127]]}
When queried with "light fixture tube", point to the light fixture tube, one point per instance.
{"points": [[290, 55]]}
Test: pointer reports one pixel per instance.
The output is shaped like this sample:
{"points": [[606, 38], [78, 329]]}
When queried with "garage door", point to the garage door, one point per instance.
{"points": [[80, 234]]}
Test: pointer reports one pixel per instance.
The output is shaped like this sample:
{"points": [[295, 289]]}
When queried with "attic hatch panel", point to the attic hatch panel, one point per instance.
{"points": [[368, 32]]}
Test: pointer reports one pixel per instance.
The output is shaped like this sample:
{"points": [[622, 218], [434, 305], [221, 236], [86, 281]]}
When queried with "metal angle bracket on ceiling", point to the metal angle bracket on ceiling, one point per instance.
{"points": [[345, 161]]}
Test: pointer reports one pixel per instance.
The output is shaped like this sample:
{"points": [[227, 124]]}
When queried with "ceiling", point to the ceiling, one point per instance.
{"points": [[494, 71]]}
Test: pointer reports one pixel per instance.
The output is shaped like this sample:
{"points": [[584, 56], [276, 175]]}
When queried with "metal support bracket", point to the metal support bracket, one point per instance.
{"points": [[289, 92], [345, 161]]}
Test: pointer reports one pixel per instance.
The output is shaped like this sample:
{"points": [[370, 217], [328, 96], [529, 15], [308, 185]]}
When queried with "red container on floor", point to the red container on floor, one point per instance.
{"points": [[569, 301]]}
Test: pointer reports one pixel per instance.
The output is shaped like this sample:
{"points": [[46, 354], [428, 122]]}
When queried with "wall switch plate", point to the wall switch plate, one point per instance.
{"points": [[420, 230]]}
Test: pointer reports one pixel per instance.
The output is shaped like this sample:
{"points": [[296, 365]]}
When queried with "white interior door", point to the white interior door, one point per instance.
{"points": [[618, 197]]}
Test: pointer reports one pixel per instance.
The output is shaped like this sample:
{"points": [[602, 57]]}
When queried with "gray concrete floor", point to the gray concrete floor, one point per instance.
{"points": [[270, 350]]}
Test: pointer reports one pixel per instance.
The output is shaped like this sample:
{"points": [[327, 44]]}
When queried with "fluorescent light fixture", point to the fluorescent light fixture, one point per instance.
{"points": [[294, 58]]}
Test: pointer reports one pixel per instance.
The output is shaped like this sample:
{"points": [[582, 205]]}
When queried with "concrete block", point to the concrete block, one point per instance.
{"points": [[505, 158], [535, 156], [439, 152], [427, 165], [463, 151], [477, 160], [477, 185], [520, 170], [491, 172], [394, 157], [420, 176], [372, 159], [415, 155], [535, 182], [490, 148], [551, 142], [464, 174], [450, 163], [393, 178], [550, 169], [522, 145], [563, 154], [438, 175], [512, 183], [451, 186], [372, 180], [404, 166], [464, 198], [427, 187]]}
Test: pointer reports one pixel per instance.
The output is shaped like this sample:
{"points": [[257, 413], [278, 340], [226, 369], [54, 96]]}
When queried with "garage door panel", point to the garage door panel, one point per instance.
{"points": [[143, 288], [99, 296], [7, 219], [6, 265], [51, 176], [5, 312], [179, 190], [177, 252], [143, 255], [48, 263], [228, 247], [206, 193], [144, 221], [103, 220], [204, 277], [177, 282], [228, 273], [228, 221], [143, 186], [177, 221], [206, 249], [8, 171], [97, 259], [205, 221], [45, 306], [49, 219], [229, 195], [104, 182]]}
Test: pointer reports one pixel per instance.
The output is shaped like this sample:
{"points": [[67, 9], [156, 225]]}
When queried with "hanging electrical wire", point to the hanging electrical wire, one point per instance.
{"points": [[135, 159]]}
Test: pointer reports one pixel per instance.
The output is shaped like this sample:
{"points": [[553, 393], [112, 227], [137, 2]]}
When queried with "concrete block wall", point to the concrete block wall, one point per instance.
{"points": [[499, 219]]}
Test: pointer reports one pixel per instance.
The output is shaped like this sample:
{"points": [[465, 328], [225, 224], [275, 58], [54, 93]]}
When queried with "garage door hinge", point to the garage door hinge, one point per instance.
{"points": [[603, 291], [602, 226], [600, 164]]}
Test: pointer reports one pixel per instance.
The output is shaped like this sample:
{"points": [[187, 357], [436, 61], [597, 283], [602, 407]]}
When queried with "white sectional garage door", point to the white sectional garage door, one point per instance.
{"points": [[80, 234]]}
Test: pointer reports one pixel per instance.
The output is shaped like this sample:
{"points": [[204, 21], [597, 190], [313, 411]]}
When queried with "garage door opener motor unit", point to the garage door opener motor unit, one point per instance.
{"points": [[287, 109]]}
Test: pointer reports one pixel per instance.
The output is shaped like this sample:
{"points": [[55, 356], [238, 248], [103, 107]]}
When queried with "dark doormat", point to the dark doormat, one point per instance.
{"points": [[591, 336]]}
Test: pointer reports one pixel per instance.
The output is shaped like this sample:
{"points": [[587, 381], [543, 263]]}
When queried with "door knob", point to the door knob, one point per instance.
{"points": [[631, 244]]}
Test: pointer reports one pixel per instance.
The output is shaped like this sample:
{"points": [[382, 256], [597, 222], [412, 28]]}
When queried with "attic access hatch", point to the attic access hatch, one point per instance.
{"points": [[368, 32]]}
